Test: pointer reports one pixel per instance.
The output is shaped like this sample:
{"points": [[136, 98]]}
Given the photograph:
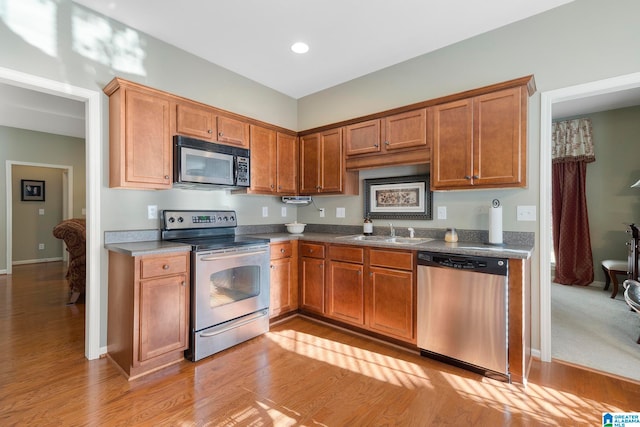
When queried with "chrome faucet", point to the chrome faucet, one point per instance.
{"points": [[412, 232], [392, 230]]}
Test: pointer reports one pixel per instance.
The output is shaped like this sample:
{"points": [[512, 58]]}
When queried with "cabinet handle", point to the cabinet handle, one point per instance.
{"points": [[475, 177], [165, 267], [376, 145], [166, 177], [272, 186], [282, 251], [183, 283], [386, 143], [209, 131], [220, 134], [467, 177]]}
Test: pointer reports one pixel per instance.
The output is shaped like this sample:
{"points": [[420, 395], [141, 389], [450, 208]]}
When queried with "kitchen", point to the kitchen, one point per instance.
{"points": [[327, 108]]}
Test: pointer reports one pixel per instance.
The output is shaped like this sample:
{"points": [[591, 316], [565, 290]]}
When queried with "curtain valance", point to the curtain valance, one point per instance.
{"points": [[572, 141]]}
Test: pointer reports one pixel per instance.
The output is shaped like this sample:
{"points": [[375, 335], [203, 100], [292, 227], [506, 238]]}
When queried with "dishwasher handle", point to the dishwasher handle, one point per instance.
{"points": [[485, 265]]}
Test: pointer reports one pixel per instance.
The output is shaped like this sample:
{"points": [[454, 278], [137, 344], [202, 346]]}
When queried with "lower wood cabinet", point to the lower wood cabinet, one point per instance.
{"points": [[283, 278], [312, 277], [371, 288], [148, 311]]}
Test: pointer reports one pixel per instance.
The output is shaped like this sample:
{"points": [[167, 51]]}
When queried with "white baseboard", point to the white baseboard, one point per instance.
{"points": [[3, 271], [535, 353], [36, 261]]}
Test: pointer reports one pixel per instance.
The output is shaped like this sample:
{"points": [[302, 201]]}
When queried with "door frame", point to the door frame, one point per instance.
{"points": [[547, 99], [93, 164], [67, 200]]}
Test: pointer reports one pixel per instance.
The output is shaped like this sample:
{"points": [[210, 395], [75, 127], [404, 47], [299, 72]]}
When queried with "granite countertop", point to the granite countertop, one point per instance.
{"points": [[150, 247], [436, 245]]}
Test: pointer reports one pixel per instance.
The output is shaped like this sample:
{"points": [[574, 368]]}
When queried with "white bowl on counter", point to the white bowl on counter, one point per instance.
{"points": [[295, 227]]}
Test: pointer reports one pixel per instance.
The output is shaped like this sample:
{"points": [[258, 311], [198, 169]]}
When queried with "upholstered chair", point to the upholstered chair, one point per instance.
{"points": [[74, 233]]}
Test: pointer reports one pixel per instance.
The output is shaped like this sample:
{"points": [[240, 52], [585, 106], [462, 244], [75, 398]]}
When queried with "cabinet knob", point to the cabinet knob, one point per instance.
{"points": [[386, 143], [282, 251], [166, 177], [272, 186], [475, 177], [376, 145], [183, 283], [220, 134], [165, 267], [209, 131], [273, 267], [467, 177]]}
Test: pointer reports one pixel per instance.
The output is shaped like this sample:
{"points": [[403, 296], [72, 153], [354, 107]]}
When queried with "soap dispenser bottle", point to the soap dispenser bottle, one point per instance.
{"points": [[367, 227]]}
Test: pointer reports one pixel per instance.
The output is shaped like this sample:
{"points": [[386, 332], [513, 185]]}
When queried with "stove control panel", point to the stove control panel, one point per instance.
{"points": [[178, 220]]}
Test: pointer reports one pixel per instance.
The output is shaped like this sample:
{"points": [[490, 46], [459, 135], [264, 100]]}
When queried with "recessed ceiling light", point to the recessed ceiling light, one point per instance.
{"points": [[300, 47]]}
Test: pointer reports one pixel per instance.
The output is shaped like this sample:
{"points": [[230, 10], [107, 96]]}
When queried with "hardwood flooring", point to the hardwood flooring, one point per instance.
{"points": [[300, 373]]}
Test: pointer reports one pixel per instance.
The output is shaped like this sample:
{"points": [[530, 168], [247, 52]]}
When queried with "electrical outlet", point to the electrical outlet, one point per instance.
{"points": [[41, 211], [340, 212], [152, 211], [321, 212], [41, 246], [84, 211], [283, 211], [526, 213], [265, 211], [442, 212]]}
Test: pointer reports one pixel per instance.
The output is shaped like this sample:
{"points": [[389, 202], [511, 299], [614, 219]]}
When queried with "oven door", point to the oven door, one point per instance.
{"points": [[228, 284], [205, 167]]}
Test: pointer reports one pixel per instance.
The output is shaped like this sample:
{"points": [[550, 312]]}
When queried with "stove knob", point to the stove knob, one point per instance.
{"points": [[219, 218], [232, 218], [172, 220], [226, 219], [180, 219]]}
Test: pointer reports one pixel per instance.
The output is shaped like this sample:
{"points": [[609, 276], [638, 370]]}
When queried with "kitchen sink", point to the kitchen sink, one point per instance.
{"points": [[388, 239]]}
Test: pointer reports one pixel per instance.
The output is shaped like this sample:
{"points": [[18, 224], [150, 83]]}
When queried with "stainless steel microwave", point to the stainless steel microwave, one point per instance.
{"points": [[207, 165]]}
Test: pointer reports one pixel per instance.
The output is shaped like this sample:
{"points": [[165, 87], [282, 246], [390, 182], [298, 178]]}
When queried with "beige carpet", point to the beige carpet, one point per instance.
{"points": [[590, 329]]}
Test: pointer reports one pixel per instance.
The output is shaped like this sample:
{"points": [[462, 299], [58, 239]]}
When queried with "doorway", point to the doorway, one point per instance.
{"points": [[547, 101], [93, 164]]}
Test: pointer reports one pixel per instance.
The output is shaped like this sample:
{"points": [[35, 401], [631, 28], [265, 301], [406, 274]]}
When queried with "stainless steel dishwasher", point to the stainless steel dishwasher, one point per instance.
{"points": [[462, 311]]}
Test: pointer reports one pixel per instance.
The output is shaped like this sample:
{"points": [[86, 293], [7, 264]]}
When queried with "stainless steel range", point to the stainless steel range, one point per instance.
{"points": [[229, 279]]}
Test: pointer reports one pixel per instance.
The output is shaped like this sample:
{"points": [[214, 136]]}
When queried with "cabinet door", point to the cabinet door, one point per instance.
{"points": [[310, 164], [362, 138], [263, 160], [196, 121], [406, 130], [331, 163], [282, 286], [148, 153], [499, 144], [163, 316], [391, 310], [345, 292], [233, 131], [452, 161], [286, 164], [312, 284]]}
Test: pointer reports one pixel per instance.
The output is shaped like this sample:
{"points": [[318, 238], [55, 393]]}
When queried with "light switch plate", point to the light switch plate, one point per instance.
{"points": [[152, 211], [265, 211], [321, 212], [41, 211], [526, 213], [340, 212], [442, 212], [283, 211], [41, 246]]}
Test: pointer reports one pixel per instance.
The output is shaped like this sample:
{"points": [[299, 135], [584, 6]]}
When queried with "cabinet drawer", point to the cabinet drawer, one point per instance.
{"points": [[281, 250], [346, 253], [162, 266], [312, 250], [391, 259]]}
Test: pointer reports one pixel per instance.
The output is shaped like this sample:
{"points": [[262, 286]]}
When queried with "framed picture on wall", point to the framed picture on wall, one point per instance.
{"points": [[404, 197], [32, 190]]}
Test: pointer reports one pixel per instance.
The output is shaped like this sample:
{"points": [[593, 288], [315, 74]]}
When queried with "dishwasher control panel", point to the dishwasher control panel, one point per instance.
{"points": [[486, 265]]}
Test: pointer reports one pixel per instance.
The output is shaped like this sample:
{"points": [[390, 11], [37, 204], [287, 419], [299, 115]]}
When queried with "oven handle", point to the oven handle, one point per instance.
{"points": [[234, 255], [237, 324]]}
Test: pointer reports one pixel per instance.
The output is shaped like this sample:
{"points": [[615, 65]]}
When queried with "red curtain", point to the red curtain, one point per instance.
{"points": [[571, 241]]}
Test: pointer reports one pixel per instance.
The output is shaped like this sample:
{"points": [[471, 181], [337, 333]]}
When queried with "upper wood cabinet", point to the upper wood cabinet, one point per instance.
{"points": [[140, 145], [206, 123], [274, 161], [322, 165], [480, 142], [399, 139]]}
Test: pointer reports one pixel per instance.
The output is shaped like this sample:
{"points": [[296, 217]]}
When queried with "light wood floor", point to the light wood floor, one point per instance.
{"points": [[300, 373]]}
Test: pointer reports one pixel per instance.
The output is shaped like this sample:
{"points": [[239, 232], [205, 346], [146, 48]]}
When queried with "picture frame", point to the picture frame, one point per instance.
{"points": [[403, 197], [31, 190]]}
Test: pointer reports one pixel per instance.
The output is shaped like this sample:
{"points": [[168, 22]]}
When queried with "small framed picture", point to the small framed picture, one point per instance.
{"points": [[32, 190], [404, 197]]}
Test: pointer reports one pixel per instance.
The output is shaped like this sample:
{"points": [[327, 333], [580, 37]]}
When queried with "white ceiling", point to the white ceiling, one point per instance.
{"points": [[348, 38]]}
